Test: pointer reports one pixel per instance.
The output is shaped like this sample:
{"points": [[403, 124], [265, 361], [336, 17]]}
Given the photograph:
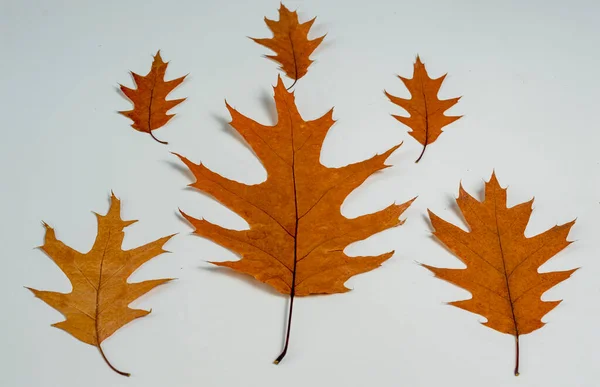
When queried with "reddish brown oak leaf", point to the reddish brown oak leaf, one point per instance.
{"points": [[290, 43], [502, 264], [150, 104], [297, 233], [98, 304], [426, 112]]}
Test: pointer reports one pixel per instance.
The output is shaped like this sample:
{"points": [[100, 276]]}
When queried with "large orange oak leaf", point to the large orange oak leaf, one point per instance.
{"points": [[426, 112], [291, 44], [150, 104], [97, 306], [502, 264], [297, 233]]}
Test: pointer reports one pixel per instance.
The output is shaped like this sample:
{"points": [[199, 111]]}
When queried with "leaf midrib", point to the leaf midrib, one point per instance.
{"points": [[505, 272], [96, 324]]}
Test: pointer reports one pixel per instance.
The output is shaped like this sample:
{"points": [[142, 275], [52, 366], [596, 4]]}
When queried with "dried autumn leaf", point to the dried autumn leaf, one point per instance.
{"points": [[426, 111], [502, 264], [150, 104], [297, 233], [98, 304], [290, 42]]}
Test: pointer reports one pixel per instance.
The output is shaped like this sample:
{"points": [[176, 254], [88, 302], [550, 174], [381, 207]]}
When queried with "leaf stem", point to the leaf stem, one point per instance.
{"points": [[152, 134], [110, 365], [292, 85], [517, 355], [289, 324], [423, 151]]}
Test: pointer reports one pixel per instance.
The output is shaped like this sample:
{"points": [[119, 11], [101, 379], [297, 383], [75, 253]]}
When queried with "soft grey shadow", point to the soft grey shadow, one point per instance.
{"points": [[327, 43], [132, 82], [453, 206], [318, 28], [480, 194], [439, 243], [120, 92], [182, 169], [190, 176], [266, 100], [227, 128], [428, 222], [196, 190], [183, 219], [242, 277]]}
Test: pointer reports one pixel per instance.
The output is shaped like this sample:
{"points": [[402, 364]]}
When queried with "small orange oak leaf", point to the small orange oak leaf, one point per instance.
{"points": [[290, 42], [426, 111], [98, 303], [150, 104], [297, 233], [502, 264]]}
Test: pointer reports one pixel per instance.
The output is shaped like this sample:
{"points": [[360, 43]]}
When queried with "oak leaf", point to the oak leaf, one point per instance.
{"points": [[97, 306], [150, 104], [297, 233], [290, 42], [426, 112], [502, 264]]}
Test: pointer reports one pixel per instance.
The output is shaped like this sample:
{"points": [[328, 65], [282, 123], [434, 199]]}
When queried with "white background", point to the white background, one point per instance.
{"points": [[528, 74]]}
